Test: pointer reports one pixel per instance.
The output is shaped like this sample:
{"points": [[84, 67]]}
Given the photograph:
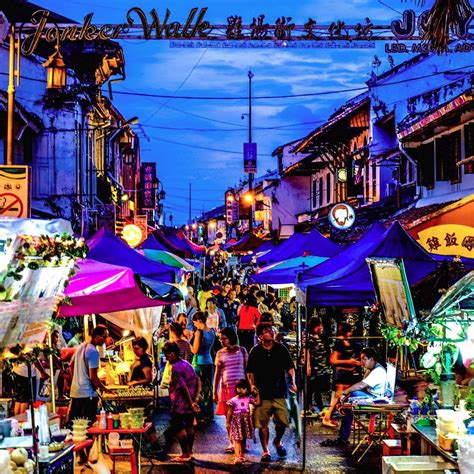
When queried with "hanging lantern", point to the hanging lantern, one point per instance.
{"points": [[162, 194], [56, 69]]}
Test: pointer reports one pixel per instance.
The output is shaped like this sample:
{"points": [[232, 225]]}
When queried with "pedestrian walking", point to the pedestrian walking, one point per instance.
{"points": [[249, 317], [201, 346], [268, 364], [184, 390], [345, 368], [230, 365], [239, 418]]}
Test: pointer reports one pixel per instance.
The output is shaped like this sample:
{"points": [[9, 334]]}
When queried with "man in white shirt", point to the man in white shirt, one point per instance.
{"points": [[373, 385], [85, 381]]}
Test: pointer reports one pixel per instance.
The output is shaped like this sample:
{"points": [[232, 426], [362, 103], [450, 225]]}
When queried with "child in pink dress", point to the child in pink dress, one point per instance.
{"points": [[239, 418]]}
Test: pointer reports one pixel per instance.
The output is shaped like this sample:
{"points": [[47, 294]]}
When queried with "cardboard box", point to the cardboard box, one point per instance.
{"points": [[418, 464]]}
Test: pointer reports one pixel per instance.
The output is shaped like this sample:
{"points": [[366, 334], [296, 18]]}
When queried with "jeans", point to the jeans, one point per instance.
{"points": [[346, 422]]}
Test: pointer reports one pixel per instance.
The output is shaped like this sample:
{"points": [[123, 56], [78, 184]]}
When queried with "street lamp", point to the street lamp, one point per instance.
{"points": [[250, 76], [56, 70]]}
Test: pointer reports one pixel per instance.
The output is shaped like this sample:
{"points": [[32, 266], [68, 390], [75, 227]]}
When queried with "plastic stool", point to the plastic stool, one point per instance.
{"points": [[391, 447], [117, 452]]}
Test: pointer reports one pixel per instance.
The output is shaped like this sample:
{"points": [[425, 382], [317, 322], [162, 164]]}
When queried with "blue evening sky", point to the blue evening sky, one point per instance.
{"points": [[154, 67]]}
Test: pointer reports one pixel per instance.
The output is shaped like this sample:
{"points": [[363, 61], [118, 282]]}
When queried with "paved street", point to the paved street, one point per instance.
{"points": [[210, 458]]}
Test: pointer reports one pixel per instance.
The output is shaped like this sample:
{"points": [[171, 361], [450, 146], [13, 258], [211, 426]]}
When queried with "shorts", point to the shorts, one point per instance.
{"points": [[180, 421], [345, 377], [276, 407]]}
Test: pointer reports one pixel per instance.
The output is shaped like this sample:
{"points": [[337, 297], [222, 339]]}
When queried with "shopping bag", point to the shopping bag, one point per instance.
{"points": [[94, 452], [100, 467], [166, 377]]}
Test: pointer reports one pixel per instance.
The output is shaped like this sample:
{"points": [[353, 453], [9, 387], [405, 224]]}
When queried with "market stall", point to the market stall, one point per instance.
{"points": [[35, 265]]}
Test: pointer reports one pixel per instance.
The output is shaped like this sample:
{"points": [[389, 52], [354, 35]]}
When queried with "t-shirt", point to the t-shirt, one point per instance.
{"points": [[182, 375], [241, 405], [86, 357], [249, 317], [185, 350], [268, 367], [232, 365], [376, 381], [137, 371]]}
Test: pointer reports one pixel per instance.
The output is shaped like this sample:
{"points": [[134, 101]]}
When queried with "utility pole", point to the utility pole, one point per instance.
{"points": [[250, 75], [11, 96]]}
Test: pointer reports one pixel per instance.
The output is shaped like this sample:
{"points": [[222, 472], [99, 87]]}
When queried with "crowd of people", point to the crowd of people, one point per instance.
{"points": [[226, 355]]}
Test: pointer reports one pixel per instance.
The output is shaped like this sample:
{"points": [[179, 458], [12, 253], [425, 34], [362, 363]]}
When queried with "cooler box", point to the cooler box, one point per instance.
{"points": [[418, 464]]}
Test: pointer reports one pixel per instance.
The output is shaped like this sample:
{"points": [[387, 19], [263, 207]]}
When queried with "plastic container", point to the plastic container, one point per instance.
{"points": [[116, 421], [415, 408], [102, 420], [110, 421]]}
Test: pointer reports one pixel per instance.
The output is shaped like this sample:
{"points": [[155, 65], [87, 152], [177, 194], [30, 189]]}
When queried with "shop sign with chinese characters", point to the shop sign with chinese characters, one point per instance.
{"points": [[148, 178], [452, 239], [163, 25], [14, 191]]}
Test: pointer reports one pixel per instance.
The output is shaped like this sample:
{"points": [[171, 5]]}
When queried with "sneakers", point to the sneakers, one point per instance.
{"points": [[266, 457], [280, 450]]}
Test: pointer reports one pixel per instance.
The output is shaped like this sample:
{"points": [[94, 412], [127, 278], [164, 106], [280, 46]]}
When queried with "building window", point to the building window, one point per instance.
{"points": [[455, 147], [367, 182], [320, 192], [374, 180], [426, 165], [443, 159], [328, 188], [469, 147], [315, 194]]}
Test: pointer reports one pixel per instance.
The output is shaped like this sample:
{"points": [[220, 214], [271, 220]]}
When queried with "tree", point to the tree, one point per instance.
{"points": [[444, 16]]}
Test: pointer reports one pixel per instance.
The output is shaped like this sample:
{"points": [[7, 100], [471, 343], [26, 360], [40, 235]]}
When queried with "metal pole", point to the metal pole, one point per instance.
{"points": [[250, 75], [11, 97], [33, 421], [51, 370]]}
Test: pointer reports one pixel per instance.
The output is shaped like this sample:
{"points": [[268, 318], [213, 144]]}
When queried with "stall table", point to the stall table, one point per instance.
{"points": [[96, 431], [61, 462], [429, 442]]}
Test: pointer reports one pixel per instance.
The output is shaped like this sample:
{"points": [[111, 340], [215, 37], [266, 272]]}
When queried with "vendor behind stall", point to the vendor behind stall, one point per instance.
{"points": [[85, 381], [141, 370]]}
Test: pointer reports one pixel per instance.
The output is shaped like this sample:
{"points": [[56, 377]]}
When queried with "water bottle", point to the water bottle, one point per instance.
{"points": [[415, 409]]}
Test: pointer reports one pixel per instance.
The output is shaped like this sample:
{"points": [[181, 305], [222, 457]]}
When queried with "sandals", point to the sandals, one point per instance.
{"points": [[182, 459], [239, 460], [329, 424]]}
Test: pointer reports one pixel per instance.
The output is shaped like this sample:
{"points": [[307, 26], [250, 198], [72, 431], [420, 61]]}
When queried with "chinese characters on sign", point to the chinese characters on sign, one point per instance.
{"points": [[250, 157], [231, 207], [14, 191], [148, 179], [453, 239]]}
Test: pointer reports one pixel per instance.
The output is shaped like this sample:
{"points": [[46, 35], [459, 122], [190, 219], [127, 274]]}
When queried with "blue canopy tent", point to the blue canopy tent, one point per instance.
{"points": [[266, 247], [106, 247], [301, 244], [351, 283], [285, 273], [152, 243], [343, 258]]}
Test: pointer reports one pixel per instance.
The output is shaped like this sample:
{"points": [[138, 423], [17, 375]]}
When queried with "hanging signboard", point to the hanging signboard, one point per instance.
{"points": [[250, 157], [14, 191], [392, 290], [342, 216], [148, 178], [448, 239]]}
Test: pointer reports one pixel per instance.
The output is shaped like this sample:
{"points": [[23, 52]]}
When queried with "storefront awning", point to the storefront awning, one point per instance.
{"points": [[412, 129]]}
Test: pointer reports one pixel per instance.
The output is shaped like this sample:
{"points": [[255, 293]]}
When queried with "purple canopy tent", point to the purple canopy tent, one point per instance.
{"points": [[152, 243], [248, 243], [106, 247], [301, 244], [266, 247], [351, 283], [175, 241], [99, 287]]}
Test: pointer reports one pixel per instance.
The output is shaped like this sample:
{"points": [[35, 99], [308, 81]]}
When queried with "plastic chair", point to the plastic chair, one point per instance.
{"points": [[118, 452]]}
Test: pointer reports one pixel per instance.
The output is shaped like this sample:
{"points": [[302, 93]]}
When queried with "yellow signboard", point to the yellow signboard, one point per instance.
{"points": [[448, 239], [14, 191]]}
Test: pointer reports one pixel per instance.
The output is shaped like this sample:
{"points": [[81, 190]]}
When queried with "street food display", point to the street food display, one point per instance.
{"points": [[129, 393]]}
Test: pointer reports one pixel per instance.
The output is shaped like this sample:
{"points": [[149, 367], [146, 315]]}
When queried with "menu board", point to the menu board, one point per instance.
{"points": [[392, 289]]}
